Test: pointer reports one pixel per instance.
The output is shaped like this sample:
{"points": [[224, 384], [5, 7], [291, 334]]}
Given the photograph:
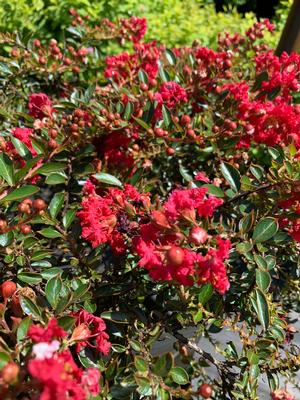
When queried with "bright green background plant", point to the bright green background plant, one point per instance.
{"points": [[173, 22]]}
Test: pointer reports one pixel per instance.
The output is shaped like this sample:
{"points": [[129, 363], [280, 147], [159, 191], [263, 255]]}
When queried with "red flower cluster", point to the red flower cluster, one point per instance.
{"points": [[283, 73], [126, 66], [53, 331], [62, 379], [158, 242], [40, 105], [55, 370], [104, 219], [133, 28], [163, 244], [169, 94], [90, 327], [265, 121]]}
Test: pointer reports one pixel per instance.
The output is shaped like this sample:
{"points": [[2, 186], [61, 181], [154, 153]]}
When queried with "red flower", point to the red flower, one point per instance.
{"points": [[169, 94], [23, 134], [40, 105], [61, 379], [95, 330], [53, 331], [134, 27]]}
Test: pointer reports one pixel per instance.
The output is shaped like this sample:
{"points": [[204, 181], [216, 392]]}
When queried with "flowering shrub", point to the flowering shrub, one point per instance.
{"points": [[142, 194]]}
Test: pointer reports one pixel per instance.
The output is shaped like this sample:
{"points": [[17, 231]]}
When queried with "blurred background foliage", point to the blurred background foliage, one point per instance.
{"points": [[173, 22]]}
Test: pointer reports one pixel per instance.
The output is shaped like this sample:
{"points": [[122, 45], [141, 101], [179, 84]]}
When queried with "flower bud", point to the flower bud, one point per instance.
{"points": [[10, 372], [8, 288], [198, 235]]}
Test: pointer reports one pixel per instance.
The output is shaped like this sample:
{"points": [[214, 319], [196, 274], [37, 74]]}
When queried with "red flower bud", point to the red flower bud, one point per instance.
{"points": [[10, 372], [198, 235], [205, 390], [175, 255], [8, 289]]}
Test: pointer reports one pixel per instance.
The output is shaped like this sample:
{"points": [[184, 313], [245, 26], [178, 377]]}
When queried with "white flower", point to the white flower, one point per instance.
{"points": [[45, 350]]}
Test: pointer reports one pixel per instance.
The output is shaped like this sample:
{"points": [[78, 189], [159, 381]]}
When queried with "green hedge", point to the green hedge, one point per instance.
{"points": [[173, 22]]}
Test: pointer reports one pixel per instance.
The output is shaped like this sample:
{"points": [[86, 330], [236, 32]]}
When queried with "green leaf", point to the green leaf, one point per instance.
{"points": [[23, 328], [143, 77], [144, 386], [184, 173], [257, 171], [21, 148], [141, 364], [50, 167], [23, 171], [166, 116], [6, 238], [214, 190], [179, 375], [116, 316], [263, 279], [50, 233], [68, 218], [56, 178], [163, 365], [232, 176], [261, 307], [118, 348], [30, 277], [170, 57], [30, 308], [164, 76], [56, 204], [53, 289], [246, 222], [205, 293], [21, 193], [66, 322], [107, 178], [271, 262], [260, 261], [6, 169], [265, 229], [128, 111], [142, 123]]}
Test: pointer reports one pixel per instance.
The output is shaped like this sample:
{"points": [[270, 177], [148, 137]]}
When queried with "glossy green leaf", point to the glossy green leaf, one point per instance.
{"points": [[30, 277], [232, 176], [116, 316], [30, 307], [23, 328], [50, 233], [214, 190], [21, 148], [56, 204], [6, 169], [263, 279], [53, 289], [141, 364], [265, 229], [50, 167], [21, 193], [261, 307], [68, 218], [205, 293], [108, 179], [179, 375]]}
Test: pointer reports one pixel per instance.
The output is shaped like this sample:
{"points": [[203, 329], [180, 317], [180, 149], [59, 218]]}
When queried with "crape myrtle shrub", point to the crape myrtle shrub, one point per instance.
{"points": [[141, 194]]}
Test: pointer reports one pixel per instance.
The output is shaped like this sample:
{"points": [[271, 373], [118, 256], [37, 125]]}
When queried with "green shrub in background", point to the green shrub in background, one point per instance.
{"points": [[173, 22]]}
